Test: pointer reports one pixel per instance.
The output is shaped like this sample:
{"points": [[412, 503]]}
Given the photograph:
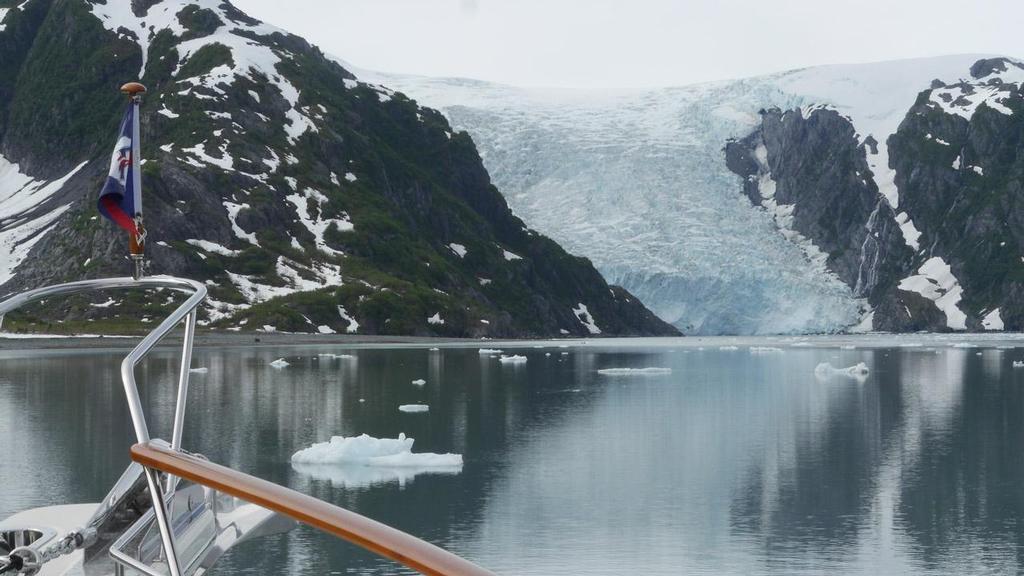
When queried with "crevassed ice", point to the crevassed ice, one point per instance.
{"points": [[637, 183]]}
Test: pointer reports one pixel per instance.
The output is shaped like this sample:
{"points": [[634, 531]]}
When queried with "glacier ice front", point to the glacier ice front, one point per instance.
{"points": [[636, 181]]}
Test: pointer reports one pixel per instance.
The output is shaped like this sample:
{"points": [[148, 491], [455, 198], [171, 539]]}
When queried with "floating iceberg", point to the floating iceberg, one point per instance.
{"points": [[824, 371], [365, 460], [337, 356], [366, 450], [512, 359], [1018, 363], [280, 363], [358, 476], [487, 351], [726, 348], [199, 370], [419, 382], [413, 408], [634, 371]]}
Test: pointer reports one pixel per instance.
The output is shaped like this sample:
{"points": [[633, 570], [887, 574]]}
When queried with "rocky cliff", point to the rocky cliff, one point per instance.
{"points": [[305, 199], [943, 251]]}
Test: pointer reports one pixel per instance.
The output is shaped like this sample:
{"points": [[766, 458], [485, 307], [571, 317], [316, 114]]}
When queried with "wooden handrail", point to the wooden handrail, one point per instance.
{"points": [[345, 524]]}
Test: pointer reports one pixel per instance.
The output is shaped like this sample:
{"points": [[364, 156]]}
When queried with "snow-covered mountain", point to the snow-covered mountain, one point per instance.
{"points": [[306, 199], [639, 182]]}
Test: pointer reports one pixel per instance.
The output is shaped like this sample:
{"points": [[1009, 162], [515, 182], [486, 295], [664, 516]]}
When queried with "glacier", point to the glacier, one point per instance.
{"points": [[636, 181]]}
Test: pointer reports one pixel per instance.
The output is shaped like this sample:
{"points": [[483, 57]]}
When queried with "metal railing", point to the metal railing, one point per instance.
{"points": [[187, 311], [378, 538], [156, 456]]}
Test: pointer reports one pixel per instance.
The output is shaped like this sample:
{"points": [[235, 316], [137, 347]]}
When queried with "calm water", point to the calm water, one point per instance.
{"points": [[736, 463]]}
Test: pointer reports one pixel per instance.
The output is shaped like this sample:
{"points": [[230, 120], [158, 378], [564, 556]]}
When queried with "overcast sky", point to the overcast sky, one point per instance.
{"points": [[627, 43]]}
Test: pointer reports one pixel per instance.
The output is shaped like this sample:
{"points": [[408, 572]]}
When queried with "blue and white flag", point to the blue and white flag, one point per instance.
{"points": [[121, 197]]}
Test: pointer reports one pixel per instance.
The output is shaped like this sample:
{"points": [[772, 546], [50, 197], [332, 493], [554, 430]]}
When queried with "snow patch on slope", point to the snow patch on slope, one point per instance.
{"points": [[935, 281], [353, 326], [22, 224], [316, 223], [583, 315], [992, 321], [251, 58]]}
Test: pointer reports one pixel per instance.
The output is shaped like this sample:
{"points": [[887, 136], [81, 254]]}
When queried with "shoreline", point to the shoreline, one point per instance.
{"points": [[203, 338], [221, 339]]}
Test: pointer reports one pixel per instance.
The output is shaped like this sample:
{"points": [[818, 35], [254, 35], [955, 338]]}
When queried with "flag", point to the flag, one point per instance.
{"points": [[120, 199]]}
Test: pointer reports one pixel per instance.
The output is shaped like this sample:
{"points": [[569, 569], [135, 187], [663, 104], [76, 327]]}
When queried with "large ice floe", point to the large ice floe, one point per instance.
{"points": [[363, 460]]}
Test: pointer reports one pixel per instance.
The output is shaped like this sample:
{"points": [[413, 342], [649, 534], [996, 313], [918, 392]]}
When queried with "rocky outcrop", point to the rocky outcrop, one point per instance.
{"points": [[808, 167], [950, 255], [960, 171]]}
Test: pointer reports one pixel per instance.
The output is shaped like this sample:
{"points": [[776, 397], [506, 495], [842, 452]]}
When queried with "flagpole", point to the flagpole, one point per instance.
{"points": [[136, 242]]}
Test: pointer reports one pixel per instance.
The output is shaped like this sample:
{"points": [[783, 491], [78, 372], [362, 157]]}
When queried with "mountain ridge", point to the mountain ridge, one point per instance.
{"points": [[305, 199]]}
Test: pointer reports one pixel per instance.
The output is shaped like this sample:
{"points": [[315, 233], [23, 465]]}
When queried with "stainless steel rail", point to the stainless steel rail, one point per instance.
{"points": [[378, 538], [186, 311]]}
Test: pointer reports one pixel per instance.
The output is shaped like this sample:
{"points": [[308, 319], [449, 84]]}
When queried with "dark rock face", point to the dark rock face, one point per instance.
{"points": [[305, 199], [960, 176], [820, 176], [961, 179]]}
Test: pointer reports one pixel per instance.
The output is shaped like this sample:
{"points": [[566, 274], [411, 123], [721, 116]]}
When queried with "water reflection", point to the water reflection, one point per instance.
{"points": [[736, 463]]}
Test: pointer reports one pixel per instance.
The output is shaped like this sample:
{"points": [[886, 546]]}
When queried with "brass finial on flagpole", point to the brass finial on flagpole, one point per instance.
{"points": [[136, 242], [133, 88]]}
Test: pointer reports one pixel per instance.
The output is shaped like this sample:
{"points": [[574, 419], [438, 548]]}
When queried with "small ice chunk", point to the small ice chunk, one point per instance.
{"points": [[419, 382], [458, 249], [1018, 363], [488, 351], [199, 370], [824, 371], [634, 371], [726, 348], [514, 359], [336, 356], [964, 345], [414, 408], [764, 350], [279, 363]]}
